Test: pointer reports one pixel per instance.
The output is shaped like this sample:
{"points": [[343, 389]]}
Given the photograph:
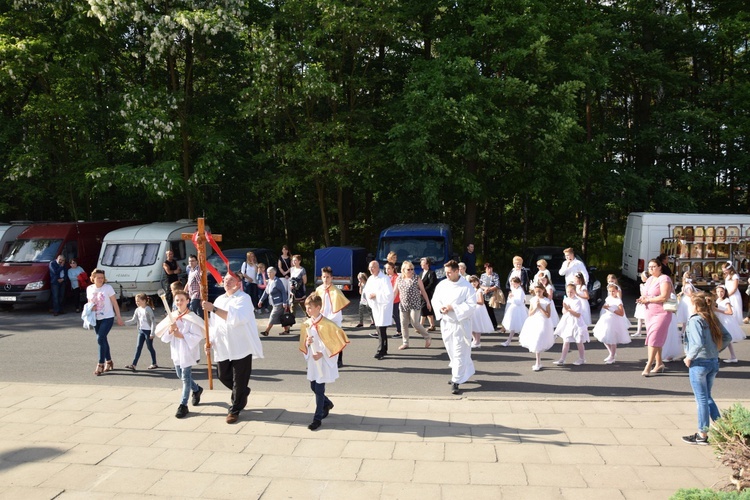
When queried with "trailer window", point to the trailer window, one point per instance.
{"points": [[36, 250], [130, 254]]}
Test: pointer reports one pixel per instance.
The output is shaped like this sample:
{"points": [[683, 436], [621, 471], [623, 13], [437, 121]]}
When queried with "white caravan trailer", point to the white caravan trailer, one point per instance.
{"points": [[132, 257], [645, 231]]}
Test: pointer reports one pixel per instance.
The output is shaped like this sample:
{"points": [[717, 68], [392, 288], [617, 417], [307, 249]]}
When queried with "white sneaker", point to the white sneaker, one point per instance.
{"points": [[478, 346], [579, 361], [536, 368], [636, 335], [506, 343], [559, 362], [607, 358], [609, 361], [731, 360]]}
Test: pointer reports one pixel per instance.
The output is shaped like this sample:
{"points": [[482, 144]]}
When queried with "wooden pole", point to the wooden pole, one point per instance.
{"points": [[201, 247]]}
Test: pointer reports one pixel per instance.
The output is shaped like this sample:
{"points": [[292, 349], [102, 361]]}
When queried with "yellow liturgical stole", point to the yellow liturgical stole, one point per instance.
{"points": [[330, 334]]}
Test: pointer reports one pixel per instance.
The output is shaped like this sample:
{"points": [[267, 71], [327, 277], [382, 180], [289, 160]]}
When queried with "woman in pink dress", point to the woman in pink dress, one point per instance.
{"points": [[655, 291]]}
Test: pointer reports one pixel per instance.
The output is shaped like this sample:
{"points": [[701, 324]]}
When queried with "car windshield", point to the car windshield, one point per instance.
{"points": [[554, 263], [412, 249], [36, 250], [130, 254], [234, 263]]}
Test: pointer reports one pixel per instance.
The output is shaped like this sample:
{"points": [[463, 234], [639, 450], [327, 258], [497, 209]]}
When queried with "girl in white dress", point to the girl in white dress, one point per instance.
{"points": [[612, 327], [515, 310], [571, 327], [480, 322], [688, 289], [550, 289], [537, 334], [583, 293], [732, 284], [640, 309], [724, 311]]}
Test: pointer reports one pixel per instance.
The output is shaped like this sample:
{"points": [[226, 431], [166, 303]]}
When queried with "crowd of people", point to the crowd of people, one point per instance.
{"points": [[693, 325]]}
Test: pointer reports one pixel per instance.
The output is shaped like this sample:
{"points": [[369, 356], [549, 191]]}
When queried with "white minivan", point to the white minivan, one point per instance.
{"points": [[645, 230], [132, 257]]}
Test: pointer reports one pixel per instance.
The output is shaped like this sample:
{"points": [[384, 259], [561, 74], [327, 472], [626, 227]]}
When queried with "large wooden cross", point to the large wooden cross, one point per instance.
{"points": [[201, 247]]}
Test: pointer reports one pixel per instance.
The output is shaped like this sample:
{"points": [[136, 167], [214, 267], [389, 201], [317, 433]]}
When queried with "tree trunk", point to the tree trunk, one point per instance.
{"points": [[343, 218], [322, 207]]}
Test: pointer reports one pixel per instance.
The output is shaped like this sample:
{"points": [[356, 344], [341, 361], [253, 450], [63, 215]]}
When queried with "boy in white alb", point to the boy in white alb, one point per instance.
{"points": [[321, 341], [334, 301]]}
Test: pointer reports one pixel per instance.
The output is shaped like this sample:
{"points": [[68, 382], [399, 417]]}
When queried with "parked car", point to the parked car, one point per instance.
{"points": [[554, 257], [235, 256]]}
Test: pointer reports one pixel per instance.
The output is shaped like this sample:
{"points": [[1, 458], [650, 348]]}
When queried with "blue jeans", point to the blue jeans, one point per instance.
{"points": [[702, 375], [320, 399], [144, 336], [102, 328], [58, 295], [195, 306], [188, 384]]}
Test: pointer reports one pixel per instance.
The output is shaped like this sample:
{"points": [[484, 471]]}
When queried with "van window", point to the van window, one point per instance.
{"points": [[71, 250], [37, 250], [178, 247], [130, 254], [413, 249]]}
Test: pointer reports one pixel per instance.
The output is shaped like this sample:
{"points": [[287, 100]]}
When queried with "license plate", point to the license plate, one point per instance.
{"points": [[11, 298]]}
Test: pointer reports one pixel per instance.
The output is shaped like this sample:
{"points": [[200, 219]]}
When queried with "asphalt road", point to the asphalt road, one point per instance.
{"points": [[37, 347]]}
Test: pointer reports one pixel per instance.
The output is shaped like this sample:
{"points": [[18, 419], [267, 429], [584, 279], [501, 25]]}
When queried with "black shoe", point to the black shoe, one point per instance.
{"points": [[695, 439], [197, 396], [455, 390], [314, 425], [396, 336], [182, 411], [379, 356], [327, 409], [374, 335]]}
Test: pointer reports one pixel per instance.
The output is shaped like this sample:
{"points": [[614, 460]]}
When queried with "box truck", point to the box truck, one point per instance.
{"points": [[24, 272], [132, 257], [645, 232]]}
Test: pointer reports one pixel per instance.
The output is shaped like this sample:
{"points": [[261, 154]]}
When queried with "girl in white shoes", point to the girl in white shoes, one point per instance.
{"points": [[515, 310], [571, 327], [612, 327], [725, 314], [537, 334]]}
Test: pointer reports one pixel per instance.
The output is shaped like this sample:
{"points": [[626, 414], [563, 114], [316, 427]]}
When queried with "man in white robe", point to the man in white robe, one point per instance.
{"points": [[235, 341], [379, 294], [454, 302]]}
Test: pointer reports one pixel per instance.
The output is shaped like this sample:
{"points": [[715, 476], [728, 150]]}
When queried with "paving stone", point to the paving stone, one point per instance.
{"points": [[276, 466], [627, 455], [132, 456], [527, 453], [29, 493], [494, 434], [497, 474], [649, 421], [29, 474], [94, 435], [86, 453], [419, 451], [78, 477], [397, 471], [531, 492], [332, 469], [554, 475], [347, 490], [105, 420], [179, 460], [331, 448], [272, 445], [473, 491], [441, 472], [448, 434], [402, 433], [591, 493], [225, 463], [181, 484], [298, 489], [264, 428], [567, 420], [228, 487], [181, 440], [681, 456], [664, 478], [41, 451], [591, 436], [52, 433], [607, 421], [229, 443], [651, 437], [621, 477], [574, 454], [471, 453], [135, 437], [471, 419], [425, 419], [24, 416], [404, 491], [368, 449]]}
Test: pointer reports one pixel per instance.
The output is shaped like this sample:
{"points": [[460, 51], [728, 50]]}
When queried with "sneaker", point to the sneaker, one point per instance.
{"points": [[374, 335], [396, 336], [730, 360], [609, 361], [197, 396], [579, 361], [454, 389], [636, 335], [182, 411], [695, 439], [506, 343], [559, 362], [536, 368]]}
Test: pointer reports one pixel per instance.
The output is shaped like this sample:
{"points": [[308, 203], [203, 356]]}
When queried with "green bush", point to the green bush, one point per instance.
{"points": [[730, 437], [709, 494]]}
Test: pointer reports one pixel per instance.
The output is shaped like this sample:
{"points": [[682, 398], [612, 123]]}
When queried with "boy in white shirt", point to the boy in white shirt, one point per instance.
{"points": [[321, 341]]}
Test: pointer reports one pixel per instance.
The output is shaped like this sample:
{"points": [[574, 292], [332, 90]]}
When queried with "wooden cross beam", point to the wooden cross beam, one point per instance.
{"points": [[201, 247]]}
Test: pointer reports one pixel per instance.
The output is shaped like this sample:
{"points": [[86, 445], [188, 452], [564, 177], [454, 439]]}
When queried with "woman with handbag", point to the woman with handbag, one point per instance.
{"points": [[276, 295], [657, 290], [490, 284]]}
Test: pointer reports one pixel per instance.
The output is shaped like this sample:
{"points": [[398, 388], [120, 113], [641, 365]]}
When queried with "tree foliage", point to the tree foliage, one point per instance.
{"points": [[518, 122]]}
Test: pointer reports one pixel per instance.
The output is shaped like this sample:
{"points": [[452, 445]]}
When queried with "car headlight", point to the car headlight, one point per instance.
{"points": [[596, 286], [35, 285], [440, 273]]}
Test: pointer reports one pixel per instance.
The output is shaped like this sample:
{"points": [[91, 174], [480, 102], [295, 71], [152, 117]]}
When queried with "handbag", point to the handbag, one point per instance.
{"points": [[497, 299], [288, 319], [670, 305]]}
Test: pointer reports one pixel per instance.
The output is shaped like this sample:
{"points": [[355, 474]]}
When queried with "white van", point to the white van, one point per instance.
{"points": [[132, 257], [645, 231], [9, 233]]}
